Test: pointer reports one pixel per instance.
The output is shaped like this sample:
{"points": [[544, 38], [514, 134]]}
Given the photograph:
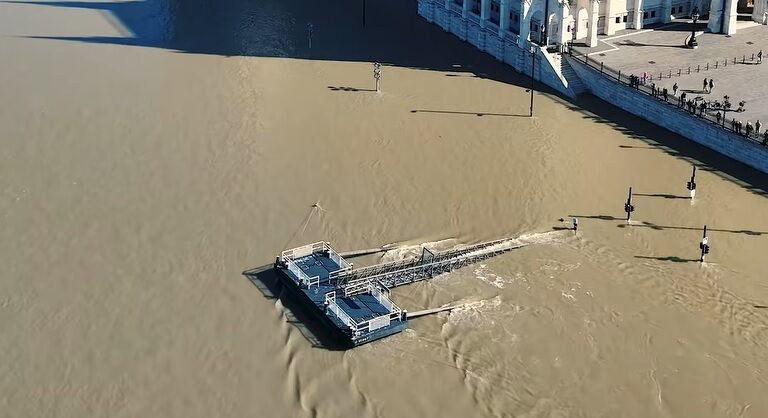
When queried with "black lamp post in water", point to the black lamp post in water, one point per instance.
{"points": [[533, 65], [695, 16]]}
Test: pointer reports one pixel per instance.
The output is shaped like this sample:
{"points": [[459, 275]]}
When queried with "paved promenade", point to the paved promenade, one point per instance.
{"points": [[662, 50]]}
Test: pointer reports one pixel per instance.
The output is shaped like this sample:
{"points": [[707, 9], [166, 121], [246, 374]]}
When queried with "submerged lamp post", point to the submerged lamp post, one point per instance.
{"points": [[533, 64], [377, 75], [628, 207], [695, 16]]}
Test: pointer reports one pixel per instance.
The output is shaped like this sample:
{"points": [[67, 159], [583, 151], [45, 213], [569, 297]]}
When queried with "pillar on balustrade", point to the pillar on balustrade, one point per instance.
{"points": [[503, 17], [485, 12], [447, 5], [593, 13], [525, 24], [638, 23], [666, 11], [465, 9], [610, 27]]}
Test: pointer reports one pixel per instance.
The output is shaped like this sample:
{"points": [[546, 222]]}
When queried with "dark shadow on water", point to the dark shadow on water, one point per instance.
{"points": [[672, 258], [653, 136], [394, 35], [266, 279], [333, 88], [636, 147], [651, 225], [665, 196], [600, 217], [451, 112]]}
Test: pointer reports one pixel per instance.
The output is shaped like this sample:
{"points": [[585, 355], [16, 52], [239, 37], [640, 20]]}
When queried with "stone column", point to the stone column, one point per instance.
{"points": [[666, 11], [525, 24], [638, 14], [503, 17], [610, 27], [447, 5], [563, 36], [715, 15], [485, 12], [729, 25], [593, 12], [465, 9]]}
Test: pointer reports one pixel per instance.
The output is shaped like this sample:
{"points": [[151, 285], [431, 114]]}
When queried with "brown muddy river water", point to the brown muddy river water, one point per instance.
{"points": [[153, 150]]}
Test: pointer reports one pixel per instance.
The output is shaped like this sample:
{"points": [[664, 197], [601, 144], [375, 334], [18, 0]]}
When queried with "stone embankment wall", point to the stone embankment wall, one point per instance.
{"points": [[484, 35], [672, 118]]}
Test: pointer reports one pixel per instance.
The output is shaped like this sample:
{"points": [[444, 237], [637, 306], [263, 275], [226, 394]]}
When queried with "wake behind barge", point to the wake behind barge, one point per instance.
{"points": [[355, 303]]}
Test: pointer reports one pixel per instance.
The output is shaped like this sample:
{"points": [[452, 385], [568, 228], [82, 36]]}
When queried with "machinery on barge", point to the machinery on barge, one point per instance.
{"points": [[355, 303]]}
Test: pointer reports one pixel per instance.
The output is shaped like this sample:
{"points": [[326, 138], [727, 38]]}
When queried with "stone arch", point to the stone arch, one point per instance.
{"points": [[553, 29], [582, 18], [535, 23]]}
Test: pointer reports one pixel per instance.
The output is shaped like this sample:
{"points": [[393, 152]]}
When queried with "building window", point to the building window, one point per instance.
{"points": [[624, 19], [680, 9], [653, 13], [618, 19], [645, 15]]}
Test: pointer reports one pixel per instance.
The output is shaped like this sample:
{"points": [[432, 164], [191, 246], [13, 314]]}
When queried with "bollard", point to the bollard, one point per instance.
{"points": [[601, 67], [716, 64], [628, 208], [704, 246], [698, 68], [734, 60], [651, 78], [743, 59], [753, 57], [707, 67], [618, 77], [670, 73], [689, 70], [679, 71]]}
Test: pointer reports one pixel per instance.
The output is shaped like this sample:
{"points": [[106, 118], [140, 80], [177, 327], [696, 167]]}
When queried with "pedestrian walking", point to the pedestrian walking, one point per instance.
{"points": [[575, 223], [711, 85], [645, 77], [706, 84], [760, 57], [674, 89]]}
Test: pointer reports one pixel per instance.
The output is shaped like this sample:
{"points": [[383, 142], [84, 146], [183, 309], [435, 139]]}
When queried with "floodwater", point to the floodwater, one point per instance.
{"points": [[153, 150]]}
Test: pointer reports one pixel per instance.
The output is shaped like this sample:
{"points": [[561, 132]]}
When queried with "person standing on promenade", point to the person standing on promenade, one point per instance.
{"points": [[705, 85], [711, 85], [758, 125], [717, 115], [674, 89], [645, 77]]}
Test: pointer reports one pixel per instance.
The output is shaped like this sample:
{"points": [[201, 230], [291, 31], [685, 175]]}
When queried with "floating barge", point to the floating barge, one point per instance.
{"points": [[355, 304]]}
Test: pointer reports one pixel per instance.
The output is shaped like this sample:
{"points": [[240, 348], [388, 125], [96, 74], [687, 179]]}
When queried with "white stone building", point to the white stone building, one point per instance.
{"points": [[580, 20]]}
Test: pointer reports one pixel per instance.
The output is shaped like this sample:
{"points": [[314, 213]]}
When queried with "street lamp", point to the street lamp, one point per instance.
{"points": [[695, 16], [533, 64]]}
